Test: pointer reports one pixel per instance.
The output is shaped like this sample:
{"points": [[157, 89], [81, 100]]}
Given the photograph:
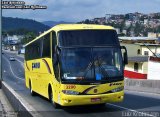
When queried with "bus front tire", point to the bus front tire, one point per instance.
{"points": [[52, 100], [102, 104]]}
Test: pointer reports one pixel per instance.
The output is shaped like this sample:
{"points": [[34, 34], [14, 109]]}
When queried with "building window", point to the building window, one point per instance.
{"points": [[136, 67], [146, 53], [138, 51]]}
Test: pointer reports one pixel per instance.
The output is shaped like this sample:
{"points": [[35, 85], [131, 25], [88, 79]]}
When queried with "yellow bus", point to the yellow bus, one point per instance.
{"points": [[76, 64]]}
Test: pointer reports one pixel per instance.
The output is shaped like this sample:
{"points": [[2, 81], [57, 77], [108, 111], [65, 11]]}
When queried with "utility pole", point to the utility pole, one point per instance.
{"points": [[1, 44]]}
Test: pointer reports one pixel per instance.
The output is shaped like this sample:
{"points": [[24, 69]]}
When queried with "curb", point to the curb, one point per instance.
{"points": [[19, 104]]}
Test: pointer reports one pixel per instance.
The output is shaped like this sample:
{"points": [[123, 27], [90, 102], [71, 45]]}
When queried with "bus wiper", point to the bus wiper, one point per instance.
{"points": [[91, 64], [88, 68]]}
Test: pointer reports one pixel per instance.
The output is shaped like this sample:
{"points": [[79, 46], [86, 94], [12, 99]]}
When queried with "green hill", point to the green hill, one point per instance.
{"points": [[21, 26]]}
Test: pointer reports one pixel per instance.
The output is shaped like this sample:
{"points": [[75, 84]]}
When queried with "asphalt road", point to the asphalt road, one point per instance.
{"points": [[135, 104]]}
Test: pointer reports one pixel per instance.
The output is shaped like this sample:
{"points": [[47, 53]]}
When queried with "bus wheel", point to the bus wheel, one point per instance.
{"points": [[102, 105], [52, 99], [31, 91]]}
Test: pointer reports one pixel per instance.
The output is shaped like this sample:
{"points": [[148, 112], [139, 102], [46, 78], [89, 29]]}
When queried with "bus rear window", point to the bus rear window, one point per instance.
{"points": [[88, 38]]}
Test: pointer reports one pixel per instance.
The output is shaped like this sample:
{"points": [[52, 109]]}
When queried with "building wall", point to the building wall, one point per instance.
{"points": [[151, 34], [129, 71], [145, 68], [130, 67], [132, 49], [152, 48]]}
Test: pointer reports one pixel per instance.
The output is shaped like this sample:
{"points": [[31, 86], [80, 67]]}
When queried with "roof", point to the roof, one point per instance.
{"points": [[141, 44], [138, 59], [73, 27], [155, 59], [148, 44], [137, 38]]}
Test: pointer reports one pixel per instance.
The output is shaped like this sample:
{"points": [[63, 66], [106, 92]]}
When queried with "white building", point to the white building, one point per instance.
{"points": [[139, 51], [117, 30], [128, 23], [153, 68]]}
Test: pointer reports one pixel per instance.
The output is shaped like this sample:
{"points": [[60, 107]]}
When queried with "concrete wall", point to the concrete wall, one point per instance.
{"points": [[151, 86]]}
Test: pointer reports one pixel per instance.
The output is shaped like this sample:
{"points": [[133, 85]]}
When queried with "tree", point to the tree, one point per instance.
{"points": [[137, 29], [28, 37], [87, 21]]}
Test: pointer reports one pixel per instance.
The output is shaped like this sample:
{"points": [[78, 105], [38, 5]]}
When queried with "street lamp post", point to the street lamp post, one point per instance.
{"points": [[0, 45]]}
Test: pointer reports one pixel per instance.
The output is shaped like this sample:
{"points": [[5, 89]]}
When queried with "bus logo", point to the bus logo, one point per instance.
{"points": [[36, 65], [113, 84]]}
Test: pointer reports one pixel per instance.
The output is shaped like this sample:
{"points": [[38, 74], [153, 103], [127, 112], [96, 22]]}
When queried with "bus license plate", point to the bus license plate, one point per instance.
{"points": [[95, 99]]}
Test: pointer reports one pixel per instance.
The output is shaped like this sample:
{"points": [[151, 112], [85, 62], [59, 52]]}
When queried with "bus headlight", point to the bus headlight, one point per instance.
{"points": [[117, 89], [70, 92]]}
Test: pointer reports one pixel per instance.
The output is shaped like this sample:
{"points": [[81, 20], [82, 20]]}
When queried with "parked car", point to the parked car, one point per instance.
{"points": [[11, 58]]}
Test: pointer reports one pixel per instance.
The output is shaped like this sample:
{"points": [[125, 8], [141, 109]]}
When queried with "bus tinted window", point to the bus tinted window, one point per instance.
{"points": [[27, 53], [54, 41], [33, 51], [46, 46], [88, 38]]}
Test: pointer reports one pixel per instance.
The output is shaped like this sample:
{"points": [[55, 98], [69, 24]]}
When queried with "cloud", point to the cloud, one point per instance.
{"points": [[77, 10]]}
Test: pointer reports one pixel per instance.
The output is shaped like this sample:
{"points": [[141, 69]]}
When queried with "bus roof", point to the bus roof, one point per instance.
{"points": [[60, 27], [79, 27]]}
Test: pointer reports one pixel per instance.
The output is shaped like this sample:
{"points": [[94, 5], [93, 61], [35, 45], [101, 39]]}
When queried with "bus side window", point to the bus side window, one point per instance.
{"points": [[27, 53], [46, 46], [37, 49], [54, 41], [33, 51]]}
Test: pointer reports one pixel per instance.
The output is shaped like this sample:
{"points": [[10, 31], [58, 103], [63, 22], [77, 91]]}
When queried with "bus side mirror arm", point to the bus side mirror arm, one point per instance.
{"points": [[55, 59], [125, 56]]}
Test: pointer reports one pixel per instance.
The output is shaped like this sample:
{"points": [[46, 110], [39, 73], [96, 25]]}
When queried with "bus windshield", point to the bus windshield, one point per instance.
{"points": [[90, 63], [88, 38]]}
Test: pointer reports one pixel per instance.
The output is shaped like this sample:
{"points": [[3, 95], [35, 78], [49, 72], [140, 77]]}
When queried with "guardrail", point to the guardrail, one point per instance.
{"points": [[151, 86]]}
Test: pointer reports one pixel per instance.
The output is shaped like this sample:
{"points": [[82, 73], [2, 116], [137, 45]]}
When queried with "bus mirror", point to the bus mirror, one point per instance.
{"points": [[56, 54], [125, 56], [57, 50]]}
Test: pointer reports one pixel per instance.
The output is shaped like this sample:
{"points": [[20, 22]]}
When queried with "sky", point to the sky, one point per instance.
{"points": [[78, 10]]}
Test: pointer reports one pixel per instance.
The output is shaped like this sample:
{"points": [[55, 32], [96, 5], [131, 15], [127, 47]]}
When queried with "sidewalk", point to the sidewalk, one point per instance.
{"points": [[6, 109]]}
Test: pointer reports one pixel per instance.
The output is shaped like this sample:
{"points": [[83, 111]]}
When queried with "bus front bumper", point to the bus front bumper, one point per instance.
{"points": [[70, 100]]}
